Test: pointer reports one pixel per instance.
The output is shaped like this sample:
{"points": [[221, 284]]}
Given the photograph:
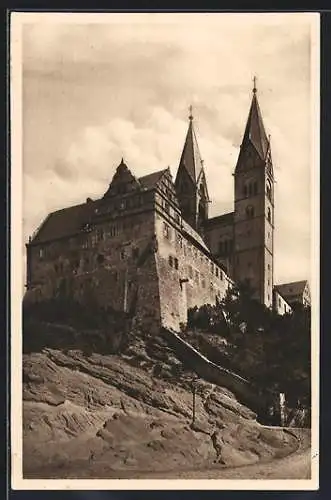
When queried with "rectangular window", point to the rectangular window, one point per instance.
{"points": [[203, 282], [197, 276], [216, 271], [170, 260], [279, 303], [179, 239], [166, 231], [221, 275], [176, 263]]}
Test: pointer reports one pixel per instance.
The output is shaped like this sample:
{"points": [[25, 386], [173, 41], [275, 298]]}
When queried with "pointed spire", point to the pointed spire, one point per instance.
{"points": [[255, 132], [191, 158]]}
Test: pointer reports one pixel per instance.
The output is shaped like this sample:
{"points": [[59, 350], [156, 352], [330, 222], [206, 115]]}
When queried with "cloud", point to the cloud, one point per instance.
{"points": [[93, 93]]}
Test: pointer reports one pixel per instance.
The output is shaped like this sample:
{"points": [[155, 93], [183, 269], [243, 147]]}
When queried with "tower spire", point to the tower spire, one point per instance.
{"points": [[255, 133]]}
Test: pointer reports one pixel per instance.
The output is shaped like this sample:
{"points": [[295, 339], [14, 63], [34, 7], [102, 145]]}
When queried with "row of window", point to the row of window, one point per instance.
{"points": [[99, 259], [250, 188], [190, 249], [130, 202], [194, 274], [250, 212]]}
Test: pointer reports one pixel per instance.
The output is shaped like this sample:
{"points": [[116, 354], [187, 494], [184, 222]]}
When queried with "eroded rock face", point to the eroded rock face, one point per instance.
{"points": [[105, 415]]}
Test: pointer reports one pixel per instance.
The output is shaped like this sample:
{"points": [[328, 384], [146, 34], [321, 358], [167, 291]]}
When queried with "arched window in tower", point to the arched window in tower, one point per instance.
{"points": [[269, 190], [269, 215], [250, 211]]}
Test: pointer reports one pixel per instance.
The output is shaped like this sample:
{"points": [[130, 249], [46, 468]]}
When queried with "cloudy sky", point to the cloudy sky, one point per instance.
{"points": [[94, 92]]}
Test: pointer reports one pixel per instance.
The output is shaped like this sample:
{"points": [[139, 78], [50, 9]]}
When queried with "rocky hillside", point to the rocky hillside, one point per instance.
{"points": [[95, 414]]}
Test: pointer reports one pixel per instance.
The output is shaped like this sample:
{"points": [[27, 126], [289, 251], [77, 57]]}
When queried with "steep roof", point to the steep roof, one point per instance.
{"points": [[69, 221], [191, 158], [65, 222], [291, 289], [255, 132], [149, 181]]}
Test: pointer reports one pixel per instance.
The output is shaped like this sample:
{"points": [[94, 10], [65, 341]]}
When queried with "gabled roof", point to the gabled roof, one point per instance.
{"points": [[191, 158], [255, 132], [70, 221], [65, 222], [290, 289], [149, 181]]}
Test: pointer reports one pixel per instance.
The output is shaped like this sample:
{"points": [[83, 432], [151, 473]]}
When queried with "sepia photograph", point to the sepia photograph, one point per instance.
{"points": [[164, 250]]}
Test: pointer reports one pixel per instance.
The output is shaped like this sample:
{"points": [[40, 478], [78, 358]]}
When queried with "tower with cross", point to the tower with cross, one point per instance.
{"points": [[191, 184]]}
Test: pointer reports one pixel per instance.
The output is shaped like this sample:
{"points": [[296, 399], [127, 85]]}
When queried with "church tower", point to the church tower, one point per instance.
{"points": [[190, 183], [254, 208]]}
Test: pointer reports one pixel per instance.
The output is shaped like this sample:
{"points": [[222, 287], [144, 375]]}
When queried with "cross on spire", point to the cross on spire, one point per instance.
{"points": [[191, 113], [254, 83]]}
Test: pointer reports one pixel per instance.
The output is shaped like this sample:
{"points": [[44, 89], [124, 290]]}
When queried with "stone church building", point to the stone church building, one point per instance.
{"points": [[148, 246]]}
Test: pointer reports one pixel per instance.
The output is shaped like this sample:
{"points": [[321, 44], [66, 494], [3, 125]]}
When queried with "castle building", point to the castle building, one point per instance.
{"points": [[148, 245]]}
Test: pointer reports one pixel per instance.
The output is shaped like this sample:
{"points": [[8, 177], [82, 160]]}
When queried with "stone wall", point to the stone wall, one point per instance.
{"points": [[188, 275], [148, 263], [113, 265]]}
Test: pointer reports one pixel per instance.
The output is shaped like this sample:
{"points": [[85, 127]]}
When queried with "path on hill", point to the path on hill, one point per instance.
{"points": [[297, 465]]}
